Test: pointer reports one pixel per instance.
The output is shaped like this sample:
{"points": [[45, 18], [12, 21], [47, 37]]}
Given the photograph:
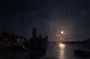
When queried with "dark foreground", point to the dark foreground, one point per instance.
{"points": [[54, 51]]}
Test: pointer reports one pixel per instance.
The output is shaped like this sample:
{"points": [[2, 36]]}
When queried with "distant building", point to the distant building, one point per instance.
{"points": [[34, 32]]}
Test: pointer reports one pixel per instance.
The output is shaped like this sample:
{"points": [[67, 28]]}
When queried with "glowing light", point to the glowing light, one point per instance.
{"points": [[62, 46], [62, 53], [62, 50], [62, 32]]}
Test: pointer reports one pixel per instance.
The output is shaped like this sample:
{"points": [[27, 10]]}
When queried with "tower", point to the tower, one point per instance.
{"points": [[34, 32]]}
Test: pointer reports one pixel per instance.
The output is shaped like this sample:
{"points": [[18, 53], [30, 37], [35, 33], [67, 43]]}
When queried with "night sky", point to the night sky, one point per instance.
{"points": [[49, 16]]}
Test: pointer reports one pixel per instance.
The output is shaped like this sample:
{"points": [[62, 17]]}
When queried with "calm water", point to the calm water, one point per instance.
{"points": [[57, 51], [62, 51]]}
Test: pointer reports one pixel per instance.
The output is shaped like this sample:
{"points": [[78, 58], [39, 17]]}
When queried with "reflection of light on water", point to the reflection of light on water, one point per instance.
{"points": [[62, 50], [62, 46]]}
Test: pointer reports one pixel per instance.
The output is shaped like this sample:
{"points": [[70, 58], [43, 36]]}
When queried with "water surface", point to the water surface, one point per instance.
{"points": [[63, 51]]}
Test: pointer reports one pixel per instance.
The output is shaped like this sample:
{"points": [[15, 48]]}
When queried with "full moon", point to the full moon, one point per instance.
{"points": [[62, 32]]}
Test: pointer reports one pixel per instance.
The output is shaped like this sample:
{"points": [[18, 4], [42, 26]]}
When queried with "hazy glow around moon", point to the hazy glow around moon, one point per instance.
{"points": [[60, 32]]}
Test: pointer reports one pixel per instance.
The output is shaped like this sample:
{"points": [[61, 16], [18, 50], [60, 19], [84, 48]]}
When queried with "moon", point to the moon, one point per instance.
{"points": [[62, 32]]}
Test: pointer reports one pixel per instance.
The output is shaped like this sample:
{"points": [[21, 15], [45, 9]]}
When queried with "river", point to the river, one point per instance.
{"points": [[62, 51]]}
